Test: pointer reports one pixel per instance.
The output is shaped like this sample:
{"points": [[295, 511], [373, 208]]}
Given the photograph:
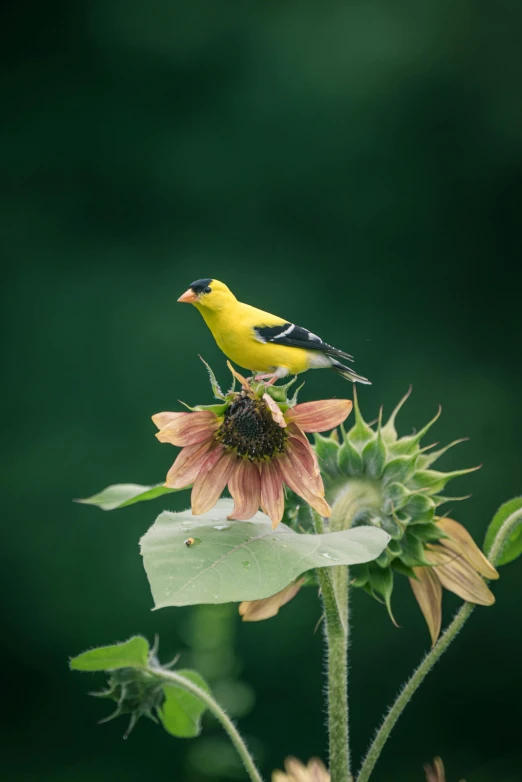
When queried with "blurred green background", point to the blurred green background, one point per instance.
{"points": [[353, 166]]}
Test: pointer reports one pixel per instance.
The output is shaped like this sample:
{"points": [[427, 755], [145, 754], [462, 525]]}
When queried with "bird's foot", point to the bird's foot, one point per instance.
{"points": [[265, 377]]}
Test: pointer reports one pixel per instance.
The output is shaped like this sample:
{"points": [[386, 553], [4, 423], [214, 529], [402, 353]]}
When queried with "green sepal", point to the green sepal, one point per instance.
{"points": [[381, 582], [394, 548], [359, 575], [419, 505], [216, 390], [435, 481], [427, 459], [360, 433], [389, 524], [327, 449], [413, 552], [423, 518], [403, 569], [383, 560], [374, 456], [440, 500], [399, 469], [349, 459], [217, 409], [410, 442], [397, 495], [280, 393], [389, 432], [428, 532]]}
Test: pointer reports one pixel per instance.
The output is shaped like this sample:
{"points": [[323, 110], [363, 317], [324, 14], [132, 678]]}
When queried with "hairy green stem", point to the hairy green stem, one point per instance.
{"points": [[334, 589], [171, 677], [431, 658], [336, 643]]}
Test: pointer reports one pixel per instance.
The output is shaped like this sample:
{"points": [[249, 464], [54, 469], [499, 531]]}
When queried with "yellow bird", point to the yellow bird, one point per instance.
{"points": [[259, 341]]}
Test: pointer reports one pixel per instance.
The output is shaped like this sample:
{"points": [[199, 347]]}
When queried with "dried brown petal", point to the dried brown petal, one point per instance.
{"points": [[275, 410], [315, 771], [461, 542], [428, 593], [457, 575], [257, 610]]}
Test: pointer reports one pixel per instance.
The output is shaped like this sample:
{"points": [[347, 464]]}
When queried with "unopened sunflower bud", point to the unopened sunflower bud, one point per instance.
{"points": [[136, 692]]}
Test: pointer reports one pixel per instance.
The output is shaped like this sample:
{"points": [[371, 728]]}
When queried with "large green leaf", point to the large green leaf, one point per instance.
{"points": [[513, 546], [229, 561], [122, 494], [181, 711], [132, 653]]}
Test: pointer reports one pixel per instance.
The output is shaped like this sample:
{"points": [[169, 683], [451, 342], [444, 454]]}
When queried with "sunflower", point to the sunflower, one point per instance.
{"points": [[253, 444]]}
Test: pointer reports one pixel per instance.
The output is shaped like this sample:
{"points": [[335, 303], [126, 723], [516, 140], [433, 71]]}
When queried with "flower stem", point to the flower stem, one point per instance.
{"points": [[171, 677], [431, 658], [335, 602]]}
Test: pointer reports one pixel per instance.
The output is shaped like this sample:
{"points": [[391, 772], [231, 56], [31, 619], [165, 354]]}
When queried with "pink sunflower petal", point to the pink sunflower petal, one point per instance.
{"points": [[319, 416], [212, 479], [161, 420], [301, 484], [275, 410], [272, 495], [245, 487], [304, 459], [189, 462], [297, 434], [189, 428]]}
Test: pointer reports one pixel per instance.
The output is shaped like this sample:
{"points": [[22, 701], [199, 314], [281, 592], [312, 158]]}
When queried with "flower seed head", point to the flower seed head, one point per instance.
{"points": [[249, 428]]}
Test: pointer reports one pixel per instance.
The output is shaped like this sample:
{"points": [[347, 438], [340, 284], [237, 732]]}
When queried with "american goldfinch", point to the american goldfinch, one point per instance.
{"points": [[259, 341]]}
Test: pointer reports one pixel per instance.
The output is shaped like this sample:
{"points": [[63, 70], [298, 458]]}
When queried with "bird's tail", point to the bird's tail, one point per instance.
{"points": [[348, 373]]}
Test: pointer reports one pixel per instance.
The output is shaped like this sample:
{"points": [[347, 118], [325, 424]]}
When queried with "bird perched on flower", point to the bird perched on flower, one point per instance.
{"points": [[259, 341]]}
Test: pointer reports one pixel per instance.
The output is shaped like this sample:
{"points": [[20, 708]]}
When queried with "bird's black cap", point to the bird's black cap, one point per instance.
{"points": [[199, 285]]}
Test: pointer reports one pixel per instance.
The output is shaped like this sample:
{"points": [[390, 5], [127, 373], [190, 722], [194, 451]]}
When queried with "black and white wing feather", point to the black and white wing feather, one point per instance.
{"points": [[293, 336]]}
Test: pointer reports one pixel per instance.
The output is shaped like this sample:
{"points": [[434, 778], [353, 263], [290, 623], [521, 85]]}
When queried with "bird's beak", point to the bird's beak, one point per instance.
{"points": [[189, 297]]}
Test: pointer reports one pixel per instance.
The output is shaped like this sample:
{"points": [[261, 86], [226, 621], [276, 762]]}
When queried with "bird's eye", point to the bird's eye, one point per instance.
{"points": [[208, 289]]}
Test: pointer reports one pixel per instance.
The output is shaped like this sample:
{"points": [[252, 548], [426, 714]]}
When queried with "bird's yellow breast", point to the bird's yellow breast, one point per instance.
{"points": [[233, 330]]}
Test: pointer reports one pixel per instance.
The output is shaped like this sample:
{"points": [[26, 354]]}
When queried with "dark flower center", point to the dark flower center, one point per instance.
{"points": [[248, 427]]}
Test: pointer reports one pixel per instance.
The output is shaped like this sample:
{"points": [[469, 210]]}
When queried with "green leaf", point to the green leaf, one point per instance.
{"points": [[240, 560], [513, 546], [181, 711], [130, 654], [122, 494]]}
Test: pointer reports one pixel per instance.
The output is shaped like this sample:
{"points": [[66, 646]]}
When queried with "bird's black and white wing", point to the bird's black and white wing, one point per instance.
{"points": [[293, 336]]}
